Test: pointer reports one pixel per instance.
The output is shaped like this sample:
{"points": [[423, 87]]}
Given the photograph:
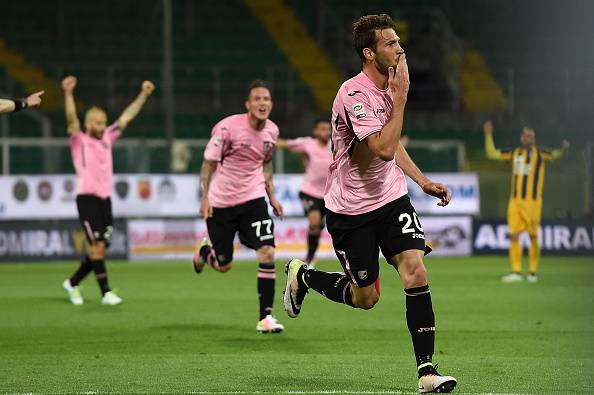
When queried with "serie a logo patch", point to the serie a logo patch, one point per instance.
{"points": [[359, 110]]}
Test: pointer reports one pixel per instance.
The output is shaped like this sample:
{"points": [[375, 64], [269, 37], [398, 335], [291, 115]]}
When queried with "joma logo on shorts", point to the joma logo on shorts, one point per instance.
{"points": [[429, 329]]}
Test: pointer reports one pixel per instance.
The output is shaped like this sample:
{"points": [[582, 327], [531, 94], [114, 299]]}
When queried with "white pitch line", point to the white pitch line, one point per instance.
{"points": [[296, 392]]}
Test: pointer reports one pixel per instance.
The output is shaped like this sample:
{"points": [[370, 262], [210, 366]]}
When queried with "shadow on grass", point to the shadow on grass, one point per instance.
{"points": [[53, 299], [199, 327], [320, 382]]}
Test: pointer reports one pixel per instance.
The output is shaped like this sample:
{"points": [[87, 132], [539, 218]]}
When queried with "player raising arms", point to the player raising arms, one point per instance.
{"points": [[14, 105], [525, 202], [92, 157], [236, 174], [317, 157], [367, 201]]}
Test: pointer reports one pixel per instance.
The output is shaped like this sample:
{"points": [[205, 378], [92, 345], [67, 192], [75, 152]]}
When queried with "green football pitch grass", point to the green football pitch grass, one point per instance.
{"points": [[178, 332]]}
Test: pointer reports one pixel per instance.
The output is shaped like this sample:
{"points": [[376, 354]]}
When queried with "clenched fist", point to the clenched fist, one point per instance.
{"points": [[69, 83], [147, 87]]}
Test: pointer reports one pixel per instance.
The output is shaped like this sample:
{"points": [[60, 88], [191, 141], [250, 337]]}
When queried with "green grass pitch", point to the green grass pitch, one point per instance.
{"points": [[178, 332]]}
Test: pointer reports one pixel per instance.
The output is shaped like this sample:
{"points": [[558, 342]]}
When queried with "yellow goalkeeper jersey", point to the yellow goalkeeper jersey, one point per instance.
{"points": [[528, 168]]}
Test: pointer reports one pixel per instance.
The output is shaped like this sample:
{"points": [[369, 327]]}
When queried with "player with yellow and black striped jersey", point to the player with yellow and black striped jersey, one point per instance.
{"points": [[525, 202]]}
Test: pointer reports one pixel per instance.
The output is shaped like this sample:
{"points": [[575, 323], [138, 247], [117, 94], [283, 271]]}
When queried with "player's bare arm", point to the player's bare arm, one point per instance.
{"points": [[72, 122], [14, 105], [561, 152], [206, 172], [408, 166], [282, 144], [385, 143], [134, 108], [490, 150], [7, 106], [277, 208]]}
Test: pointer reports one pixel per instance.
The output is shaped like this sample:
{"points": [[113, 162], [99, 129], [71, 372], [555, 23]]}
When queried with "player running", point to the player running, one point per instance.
{"points": [[525, 202], [14, 105], [236, 174], [367, 201], [317, 155], [92, 157]]}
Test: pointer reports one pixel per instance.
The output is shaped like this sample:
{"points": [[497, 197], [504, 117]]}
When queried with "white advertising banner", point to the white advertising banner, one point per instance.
{"points": [[464, 188], [157, 195], [287, 187], [134, 195], [448, 236], [137, 195], [176, 239], [36, 197], [465, 194]]}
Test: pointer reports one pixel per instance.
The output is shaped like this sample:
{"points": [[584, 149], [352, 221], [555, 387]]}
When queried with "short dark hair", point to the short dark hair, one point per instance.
{"points": [[320, 120], [364, 31], [257, 84]]}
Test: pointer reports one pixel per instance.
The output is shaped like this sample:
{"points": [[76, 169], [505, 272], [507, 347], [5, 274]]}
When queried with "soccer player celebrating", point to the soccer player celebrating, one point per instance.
{"points": [[317, 157], [525, 202], [14, 105], [92, 157], [236, 174], [368, 208]]}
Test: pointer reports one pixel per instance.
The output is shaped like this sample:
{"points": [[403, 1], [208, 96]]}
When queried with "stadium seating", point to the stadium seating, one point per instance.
{"points": [[112, 62]]}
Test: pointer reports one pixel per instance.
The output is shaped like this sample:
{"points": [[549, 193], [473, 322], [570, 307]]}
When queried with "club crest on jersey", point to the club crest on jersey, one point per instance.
{"points": [[359, 110], [267, 151]]}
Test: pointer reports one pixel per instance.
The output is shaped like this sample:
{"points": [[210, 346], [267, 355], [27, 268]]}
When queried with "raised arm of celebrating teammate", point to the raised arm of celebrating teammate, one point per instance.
{"points": [[134, 108], [293, 145], [72, 122], [277, 208], [440, 191], [282, 144], [556, 153], [385, 143], [490, 150], [14, 105]]}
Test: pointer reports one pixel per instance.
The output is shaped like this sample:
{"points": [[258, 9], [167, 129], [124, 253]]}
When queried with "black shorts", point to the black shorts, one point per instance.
{"points": [[250, 219], [95, 217], [394, 227], [311, 203]]}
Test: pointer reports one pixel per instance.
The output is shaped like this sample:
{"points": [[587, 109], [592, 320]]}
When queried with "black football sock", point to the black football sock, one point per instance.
{"points": [[101, 275], [266, 279], [334, 286], [85, 268], [313, 240], [421, 325]]}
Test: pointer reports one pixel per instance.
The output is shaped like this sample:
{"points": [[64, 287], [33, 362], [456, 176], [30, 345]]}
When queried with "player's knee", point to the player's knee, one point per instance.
{"points": [[367, 302], [98, 251], [265, 254], [365, 298], [514, 237], [225, 267], [415, 276], [224, 263]]}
